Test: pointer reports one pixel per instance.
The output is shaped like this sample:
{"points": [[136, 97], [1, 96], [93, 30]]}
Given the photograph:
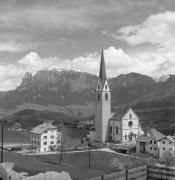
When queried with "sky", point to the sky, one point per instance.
{"points": [[136, 35]]}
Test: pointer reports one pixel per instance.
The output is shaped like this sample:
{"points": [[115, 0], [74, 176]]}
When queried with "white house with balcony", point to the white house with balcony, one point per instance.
{"points": [[45, 137]]}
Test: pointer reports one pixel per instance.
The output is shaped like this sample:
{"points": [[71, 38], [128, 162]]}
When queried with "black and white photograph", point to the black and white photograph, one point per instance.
{"points": [[87, 90]]}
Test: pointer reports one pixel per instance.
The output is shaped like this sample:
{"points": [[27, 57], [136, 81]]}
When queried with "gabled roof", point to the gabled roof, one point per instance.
{"points": [[119, 113], [150, 134], [158, 135], [170, 138], [42, 127], [102, 73]]}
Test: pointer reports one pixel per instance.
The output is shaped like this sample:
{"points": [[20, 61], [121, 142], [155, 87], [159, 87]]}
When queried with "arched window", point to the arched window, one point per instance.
{"points": [[110, 129], [106, 96], [98, 96], [106, 87], [116, 130], [130, 116], [98, 86]]}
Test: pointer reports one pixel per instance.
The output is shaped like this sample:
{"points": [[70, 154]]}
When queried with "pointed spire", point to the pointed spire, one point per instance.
{"points": [[102, 73]]}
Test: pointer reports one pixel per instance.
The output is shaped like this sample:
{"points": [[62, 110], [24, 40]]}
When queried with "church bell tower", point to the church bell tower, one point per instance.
{"points": [[103, 104]]}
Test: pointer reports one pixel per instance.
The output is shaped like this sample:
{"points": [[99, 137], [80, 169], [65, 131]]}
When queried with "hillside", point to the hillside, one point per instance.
{"points": [[70, 96]]}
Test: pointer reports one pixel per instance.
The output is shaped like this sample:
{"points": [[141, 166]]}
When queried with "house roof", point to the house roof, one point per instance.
{"points": [[149, 135], [158, 135], [170, 138], [42, 127]]}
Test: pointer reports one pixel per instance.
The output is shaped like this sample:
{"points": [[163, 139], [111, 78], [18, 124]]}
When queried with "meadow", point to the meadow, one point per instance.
{"points": [[76, 164]]}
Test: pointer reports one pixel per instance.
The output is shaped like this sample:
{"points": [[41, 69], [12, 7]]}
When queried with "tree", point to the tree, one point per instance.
{"points": [[169, 158], [116, 164]]}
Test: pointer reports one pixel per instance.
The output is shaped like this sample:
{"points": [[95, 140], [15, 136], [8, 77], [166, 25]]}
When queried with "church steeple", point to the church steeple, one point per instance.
{"points": [[103, 104], [102, 73]]}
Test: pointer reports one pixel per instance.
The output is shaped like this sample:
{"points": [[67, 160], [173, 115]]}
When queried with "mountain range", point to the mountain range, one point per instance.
{"points": [[69, 95]]}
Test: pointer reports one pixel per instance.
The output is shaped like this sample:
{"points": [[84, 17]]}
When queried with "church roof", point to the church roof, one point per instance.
{"points": [[102, 73], [119, 113]]}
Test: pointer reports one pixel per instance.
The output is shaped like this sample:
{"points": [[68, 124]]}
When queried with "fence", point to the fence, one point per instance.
{"points": [[140, 173], [163, 173]]}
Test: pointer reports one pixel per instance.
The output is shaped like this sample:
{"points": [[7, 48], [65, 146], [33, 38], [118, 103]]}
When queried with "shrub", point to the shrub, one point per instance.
{"points": [[116, 164]]}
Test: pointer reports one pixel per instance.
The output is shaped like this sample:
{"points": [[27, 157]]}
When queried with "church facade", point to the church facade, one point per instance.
{"points": [[119, 127]]}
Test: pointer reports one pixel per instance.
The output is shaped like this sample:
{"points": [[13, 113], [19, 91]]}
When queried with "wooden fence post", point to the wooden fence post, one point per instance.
{"points": [[126, 173], [147, 173], [102, 177]]}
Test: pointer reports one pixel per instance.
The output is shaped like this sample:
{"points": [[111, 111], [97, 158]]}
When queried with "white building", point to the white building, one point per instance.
{"points": [[124, 126], [116, 127], [45, 137], [167, 144]]}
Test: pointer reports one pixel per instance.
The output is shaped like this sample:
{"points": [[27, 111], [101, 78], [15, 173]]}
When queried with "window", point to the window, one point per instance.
{"points": [[130, 124], [98, 97], [106, 96], [45, 131], [163, 142], [150, 141], [106, 87], [154, 149], [151, 148], [154, 142], [44, 143], [52, 137], [45, 137], [32, 142], [116, 130], [125, 137], [51, 142], [110, 129], [169, 142], [130, 116], [163, 148]]}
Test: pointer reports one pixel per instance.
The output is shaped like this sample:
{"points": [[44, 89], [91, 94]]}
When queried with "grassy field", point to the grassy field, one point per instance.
{"points": [[74, 163]]}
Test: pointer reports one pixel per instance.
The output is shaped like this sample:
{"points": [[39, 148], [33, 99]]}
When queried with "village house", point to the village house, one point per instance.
{"points": [[45, 137], [149, 142], [16, 126], [167, 144], [119, 127]]}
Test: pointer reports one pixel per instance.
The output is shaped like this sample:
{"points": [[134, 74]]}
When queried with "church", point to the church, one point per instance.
{"points": [[120, 127]]}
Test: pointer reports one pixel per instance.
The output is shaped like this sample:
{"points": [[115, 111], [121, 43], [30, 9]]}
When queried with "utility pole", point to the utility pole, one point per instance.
{"points": [[89, 155], [2, 140], [61, 148]]}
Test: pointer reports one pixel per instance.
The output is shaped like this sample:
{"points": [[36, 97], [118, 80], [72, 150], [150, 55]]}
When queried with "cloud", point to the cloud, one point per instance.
{"points": [[157, 29], [117, 62]]}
